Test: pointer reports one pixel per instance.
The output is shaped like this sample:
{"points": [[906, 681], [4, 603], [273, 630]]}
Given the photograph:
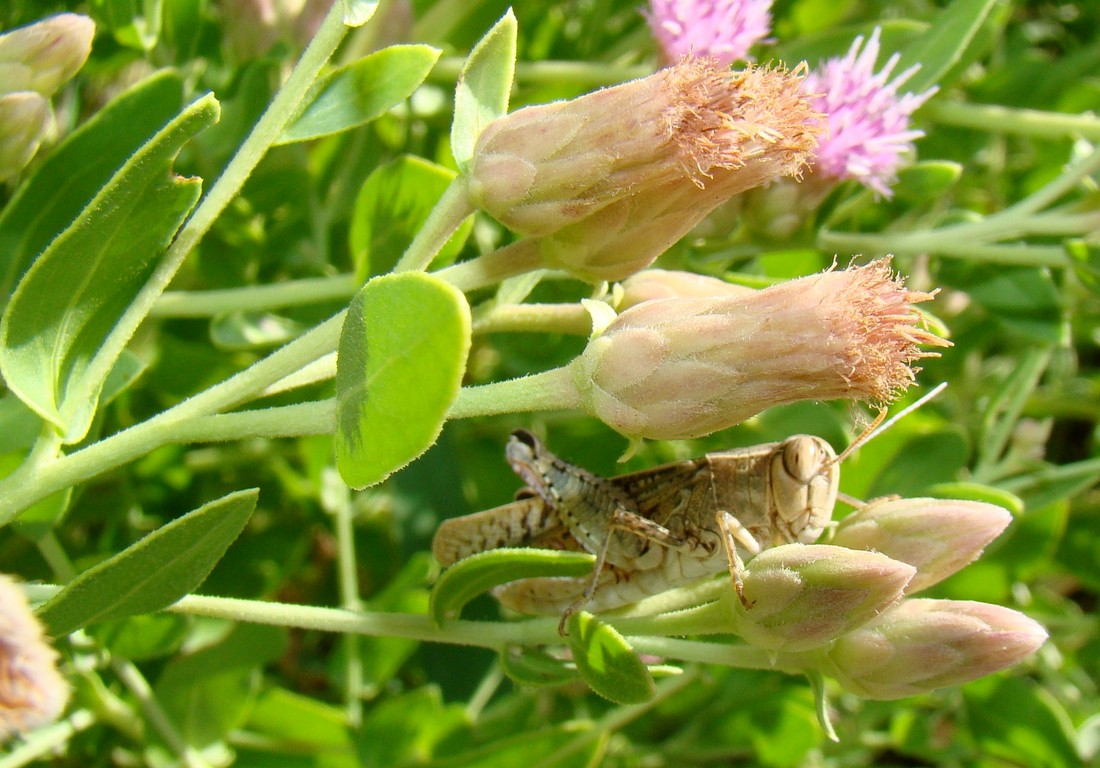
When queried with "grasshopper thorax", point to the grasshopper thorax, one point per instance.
{"points": [[804, 477]]}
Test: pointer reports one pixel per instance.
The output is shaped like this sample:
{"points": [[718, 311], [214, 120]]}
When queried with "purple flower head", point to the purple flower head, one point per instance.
{"points": [[720, 29], [868, 121]]}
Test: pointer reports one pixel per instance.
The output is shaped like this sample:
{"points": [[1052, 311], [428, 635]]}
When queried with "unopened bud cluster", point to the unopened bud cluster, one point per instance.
{"points": [[35, 61], [842, 608]]}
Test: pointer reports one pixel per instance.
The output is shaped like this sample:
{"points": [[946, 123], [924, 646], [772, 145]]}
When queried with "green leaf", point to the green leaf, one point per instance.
{"points": [[405, 727], [208, 692], [400, 364], [923, 461], [392, 205], [252, 330], [360, 92], [71, 175], [358, 12], [71, 317], [156, 571], [293, 721], [479, 573], [944, 44], [606, 662], [484, 86], [571, 745], [978, 492], [535, 668], [927, 181], [1016, 722]]}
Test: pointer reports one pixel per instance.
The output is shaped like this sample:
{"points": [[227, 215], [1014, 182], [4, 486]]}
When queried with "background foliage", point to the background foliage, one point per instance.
{"points": [[1017, 421]]}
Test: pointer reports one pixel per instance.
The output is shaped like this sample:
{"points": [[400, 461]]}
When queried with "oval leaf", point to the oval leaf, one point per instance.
{"points": [[535, 668], [68, 321], [400, 364], [484, 86], [360, 92], [479, 573], [156, 571], [392, 206], [606, 662]]}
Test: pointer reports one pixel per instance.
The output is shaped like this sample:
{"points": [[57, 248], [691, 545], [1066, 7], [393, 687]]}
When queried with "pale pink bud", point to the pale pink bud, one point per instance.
{"points": [[805, 595], [652, 284], [920, 645], [936, 536], [682, 368], [24, 119], [43, 56], [32, 691], [675, 144]]}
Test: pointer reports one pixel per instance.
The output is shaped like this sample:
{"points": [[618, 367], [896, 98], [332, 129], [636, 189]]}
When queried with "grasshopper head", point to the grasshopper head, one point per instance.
{"points": [[525, 454], [805, 477]]}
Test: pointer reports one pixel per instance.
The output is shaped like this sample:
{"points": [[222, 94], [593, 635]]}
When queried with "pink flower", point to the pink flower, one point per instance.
{"points": [[721, 29], [868, 121]]}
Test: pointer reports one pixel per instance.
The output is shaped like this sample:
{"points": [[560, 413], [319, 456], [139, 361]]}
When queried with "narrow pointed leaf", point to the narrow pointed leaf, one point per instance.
{"points": [[74, 172], [400, 364], [363, 91], [944, 44], [535, 668], [69, 319], [484, 86], [479, 573], [607, 662], [156, 571]]}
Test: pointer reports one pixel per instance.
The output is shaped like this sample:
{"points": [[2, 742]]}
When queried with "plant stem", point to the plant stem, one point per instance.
{"points": [[509, 261], [31, 481], [570, 319], [1025, 122], [348, 575], [582, 74], [255, 298], [549, 390], [47, 740], [448, 214]]}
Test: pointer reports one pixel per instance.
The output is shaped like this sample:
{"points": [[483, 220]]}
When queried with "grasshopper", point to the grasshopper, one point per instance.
{"points": [[654, 529]]}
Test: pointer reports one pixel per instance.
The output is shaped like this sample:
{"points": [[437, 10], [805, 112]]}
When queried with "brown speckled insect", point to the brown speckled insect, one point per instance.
{"points": [[654, 529]]}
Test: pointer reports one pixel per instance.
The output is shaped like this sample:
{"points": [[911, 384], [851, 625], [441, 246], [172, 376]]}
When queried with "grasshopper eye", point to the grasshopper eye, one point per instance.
{"points": [[804, 457], [522, 447]]}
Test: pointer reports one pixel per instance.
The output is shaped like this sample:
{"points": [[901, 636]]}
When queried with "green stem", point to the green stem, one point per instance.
{"points": [[1025, 122], [448, 214], [1003, 413], [549, 390], [131, 677], [31, 482], [46, 741], [1019, 255], [349, 601], [255, 298], [509, 261], [572, 319]]}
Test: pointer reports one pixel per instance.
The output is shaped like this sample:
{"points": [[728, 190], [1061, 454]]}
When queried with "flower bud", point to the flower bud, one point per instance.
{"points": [[920, 645], [24, 119], [652, 284], [936, 536], [685, 367], [805, 595], [43, 56], [668, 147], [32, 692]]}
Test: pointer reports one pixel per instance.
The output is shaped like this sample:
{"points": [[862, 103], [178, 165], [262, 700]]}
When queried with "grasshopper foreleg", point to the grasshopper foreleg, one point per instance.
{"points": [[734, 533]]}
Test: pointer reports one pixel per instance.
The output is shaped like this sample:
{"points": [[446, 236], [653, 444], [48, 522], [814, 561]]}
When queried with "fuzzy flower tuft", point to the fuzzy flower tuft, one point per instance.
{"points": [[32, 691], [722, 29], [610, 180], [679, 368], [868, 121]]}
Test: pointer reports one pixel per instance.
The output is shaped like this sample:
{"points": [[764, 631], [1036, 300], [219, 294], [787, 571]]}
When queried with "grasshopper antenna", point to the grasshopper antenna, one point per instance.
{"points": [[878, 426]]}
